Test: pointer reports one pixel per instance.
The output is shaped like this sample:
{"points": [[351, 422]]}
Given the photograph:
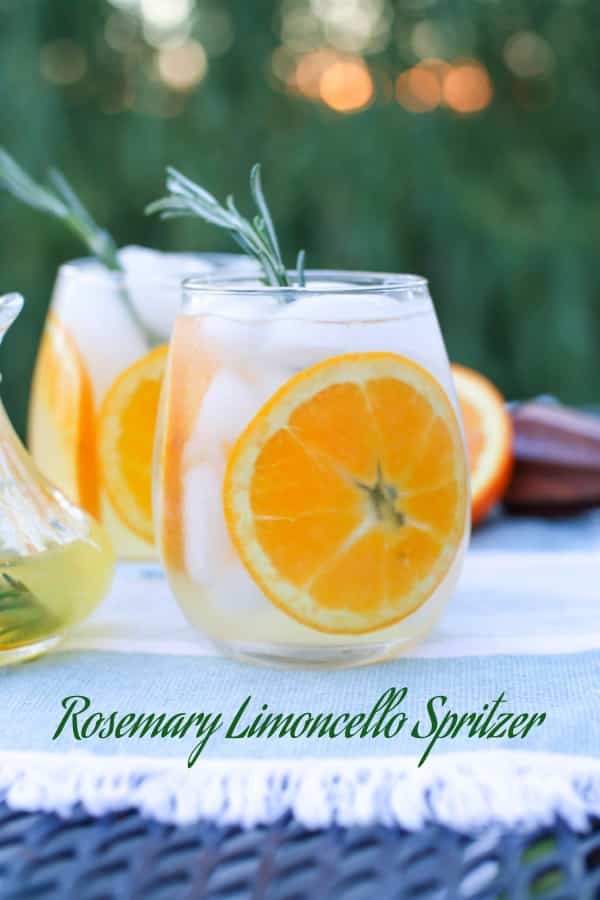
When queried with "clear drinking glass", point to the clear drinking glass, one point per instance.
{"points": [[97, 382], [311, 488]]}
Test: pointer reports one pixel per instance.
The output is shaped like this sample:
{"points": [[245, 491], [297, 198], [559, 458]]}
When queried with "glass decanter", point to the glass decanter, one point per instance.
{"points": [[56, 562]]}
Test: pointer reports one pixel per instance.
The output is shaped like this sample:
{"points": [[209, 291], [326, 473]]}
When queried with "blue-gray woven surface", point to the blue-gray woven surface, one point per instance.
{"points": [[125, 856]]}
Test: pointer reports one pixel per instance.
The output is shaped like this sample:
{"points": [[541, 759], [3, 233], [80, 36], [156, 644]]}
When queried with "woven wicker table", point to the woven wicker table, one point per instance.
{"points": [[126, 856]]}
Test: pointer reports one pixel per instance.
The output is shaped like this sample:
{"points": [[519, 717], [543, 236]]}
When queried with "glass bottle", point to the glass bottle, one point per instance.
{"points": [[56, 562]]}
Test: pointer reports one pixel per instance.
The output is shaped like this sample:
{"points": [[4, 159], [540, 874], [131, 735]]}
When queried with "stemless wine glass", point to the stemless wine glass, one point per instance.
{"points": [[311, 487], [97, 381]]}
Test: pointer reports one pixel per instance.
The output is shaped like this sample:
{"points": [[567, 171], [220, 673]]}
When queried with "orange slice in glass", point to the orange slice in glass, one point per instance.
{"points": [[126, 430], [488, 429], [346, 495], [62, 436], [191, 368]]}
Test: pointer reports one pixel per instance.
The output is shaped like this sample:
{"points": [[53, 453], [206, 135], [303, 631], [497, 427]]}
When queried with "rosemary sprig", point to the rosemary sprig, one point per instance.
{"points": [[60, 200], [22, 616], [257, 238]]}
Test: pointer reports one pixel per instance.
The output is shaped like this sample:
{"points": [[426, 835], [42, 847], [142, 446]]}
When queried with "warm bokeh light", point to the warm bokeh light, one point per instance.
{"points": [[63, 62], [310, 70], [420, 89], [467, 87], [528, 55], [346, 85], [182, 68]]}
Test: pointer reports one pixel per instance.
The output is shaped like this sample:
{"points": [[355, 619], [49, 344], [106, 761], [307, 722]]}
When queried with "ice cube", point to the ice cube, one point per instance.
{"points": [[227, 407], [154, 280], [234, 326], [312, 329], [207, 544], [87, 301], [211, 558]]}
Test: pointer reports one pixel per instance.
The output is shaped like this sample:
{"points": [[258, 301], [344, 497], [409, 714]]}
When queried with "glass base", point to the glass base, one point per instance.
{"points": [[282, 656], [28, 651]]}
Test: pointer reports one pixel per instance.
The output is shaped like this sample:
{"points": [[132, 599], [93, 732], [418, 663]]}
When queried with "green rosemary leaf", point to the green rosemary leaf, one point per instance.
{"points": [[17, 182], [70, 197], [300, 268], [13, 591], [62, 203], [259, 199], [22, 616]]}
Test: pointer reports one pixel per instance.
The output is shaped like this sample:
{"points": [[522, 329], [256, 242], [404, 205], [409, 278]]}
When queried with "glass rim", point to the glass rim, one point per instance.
{"points": [[361, 283]]}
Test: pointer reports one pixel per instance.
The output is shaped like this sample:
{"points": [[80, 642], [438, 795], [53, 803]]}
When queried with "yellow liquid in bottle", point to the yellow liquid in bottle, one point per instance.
{"points": [[43, 594]]}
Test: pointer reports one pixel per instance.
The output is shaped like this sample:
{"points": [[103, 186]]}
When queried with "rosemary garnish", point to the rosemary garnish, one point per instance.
{"points": [[60, 201], [257, 238], [22, 616]]}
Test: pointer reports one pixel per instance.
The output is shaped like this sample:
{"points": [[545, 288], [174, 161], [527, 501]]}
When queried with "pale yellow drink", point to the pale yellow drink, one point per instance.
{"points": [[231, 354]]}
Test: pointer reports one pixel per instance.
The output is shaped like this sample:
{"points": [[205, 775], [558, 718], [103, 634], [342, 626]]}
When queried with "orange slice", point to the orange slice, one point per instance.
{"points": [[488, 430], [190, 370], [346, 495], [126, 429], [61, 429]]}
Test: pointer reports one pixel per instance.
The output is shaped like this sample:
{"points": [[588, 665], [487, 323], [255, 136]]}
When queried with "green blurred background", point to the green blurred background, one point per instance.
{"points": [[460, 140]]}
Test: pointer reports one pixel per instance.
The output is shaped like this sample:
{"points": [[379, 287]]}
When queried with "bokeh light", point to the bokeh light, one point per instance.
{"points": [[529, 55], [63, 62], [166, 14], [166, 23], [349, 26], [346, 86], [300, 30], [467, 87], [426, 39], [310, 70], [182, 68], [419, 89], [354, 26]]}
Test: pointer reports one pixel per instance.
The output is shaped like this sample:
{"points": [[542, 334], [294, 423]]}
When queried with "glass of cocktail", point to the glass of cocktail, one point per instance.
{"points": [[97, 383], [311, 489]]}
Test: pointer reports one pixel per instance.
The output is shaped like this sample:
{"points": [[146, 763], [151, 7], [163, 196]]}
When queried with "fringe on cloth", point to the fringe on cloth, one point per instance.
{"points": [[464, 791]]}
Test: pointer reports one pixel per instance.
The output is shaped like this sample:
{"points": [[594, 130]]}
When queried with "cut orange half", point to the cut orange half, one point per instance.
{"points": [[346, 495], [61, 428], [488, 430], [126, 430]]}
